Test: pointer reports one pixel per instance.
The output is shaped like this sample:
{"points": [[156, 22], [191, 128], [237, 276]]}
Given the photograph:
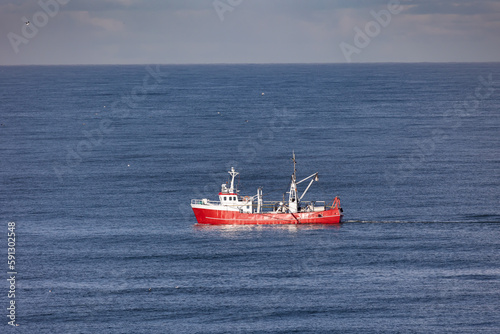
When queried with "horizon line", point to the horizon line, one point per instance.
{"points": [[269, 63]]}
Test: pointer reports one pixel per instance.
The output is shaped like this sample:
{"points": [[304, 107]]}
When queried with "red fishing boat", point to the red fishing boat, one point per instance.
{"points": [[233, 209]]}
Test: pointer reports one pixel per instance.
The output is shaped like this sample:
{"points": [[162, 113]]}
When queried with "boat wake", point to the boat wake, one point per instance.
{"points": [[482, 221]]}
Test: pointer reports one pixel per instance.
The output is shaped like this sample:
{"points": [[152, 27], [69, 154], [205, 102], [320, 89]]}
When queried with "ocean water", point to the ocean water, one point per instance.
{"points": [[99, 164]]}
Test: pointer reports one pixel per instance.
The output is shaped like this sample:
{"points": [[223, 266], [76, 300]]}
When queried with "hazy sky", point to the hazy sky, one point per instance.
{"points": [[247, 31]]}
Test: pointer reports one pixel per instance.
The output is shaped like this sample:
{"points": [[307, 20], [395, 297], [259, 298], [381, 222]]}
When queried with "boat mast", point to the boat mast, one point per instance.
{"points": [[259, 200], [233, 173], [293, 196]]}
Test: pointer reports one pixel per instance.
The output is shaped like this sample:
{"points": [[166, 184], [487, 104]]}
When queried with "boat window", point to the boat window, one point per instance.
{"points": [[230, 198], [225, 198], [234, 198]]}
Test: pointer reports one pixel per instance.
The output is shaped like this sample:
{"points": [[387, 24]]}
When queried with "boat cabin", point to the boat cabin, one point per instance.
{"points": [[229, 196]]}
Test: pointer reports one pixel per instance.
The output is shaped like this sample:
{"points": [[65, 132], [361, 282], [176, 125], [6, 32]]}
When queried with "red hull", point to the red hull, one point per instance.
{"points": [[221, 217]]}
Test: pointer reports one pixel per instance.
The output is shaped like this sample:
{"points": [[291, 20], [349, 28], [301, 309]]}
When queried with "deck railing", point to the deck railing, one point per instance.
{"points": [[204, 202], [268, 205]]}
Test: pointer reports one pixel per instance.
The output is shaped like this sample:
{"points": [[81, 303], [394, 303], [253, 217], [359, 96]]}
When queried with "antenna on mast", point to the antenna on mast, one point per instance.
{"points": [[233, 173], [293, 196]]}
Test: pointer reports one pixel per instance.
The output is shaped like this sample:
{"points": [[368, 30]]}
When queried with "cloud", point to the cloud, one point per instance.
{"points": [[457, 7], [107, 24], [190, 31], [139, 5], [126, 3]]}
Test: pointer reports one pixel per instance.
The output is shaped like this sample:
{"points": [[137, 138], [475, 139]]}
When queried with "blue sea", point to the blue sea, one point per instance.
{"points": [[99, 164]]}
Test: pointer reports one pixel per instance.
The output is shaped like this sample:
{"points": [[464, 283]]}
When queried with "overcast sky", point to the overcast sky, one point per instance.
{"points": [[248, 31]]}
